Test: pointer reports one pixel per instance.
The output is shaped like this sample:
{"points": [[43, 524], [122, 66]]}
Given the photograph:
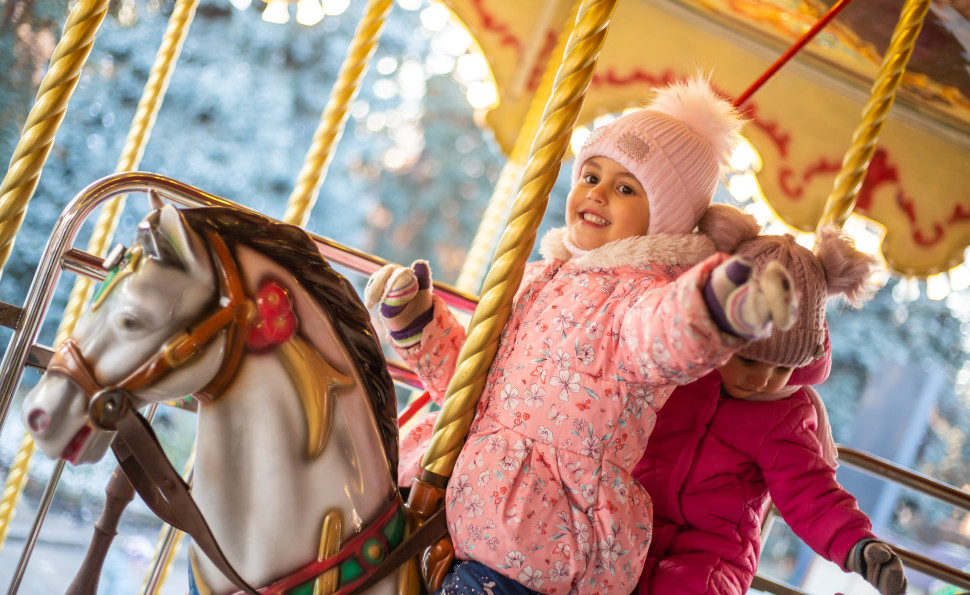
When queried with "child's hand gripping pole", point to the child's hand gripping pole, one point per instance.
{"points": [[878, 563], [404, 295], [750, 307]]}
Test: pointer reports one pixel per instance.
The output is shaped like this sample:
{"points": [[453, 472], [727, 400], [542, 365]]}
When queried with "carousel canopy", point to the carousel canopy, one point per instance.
{"points": [[801, 120]]}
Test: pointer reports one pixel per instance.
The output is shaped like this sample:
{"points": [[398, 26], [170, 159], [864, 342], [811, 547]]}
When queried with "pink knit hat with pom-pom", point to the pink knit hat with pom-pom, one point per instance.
{"points": [[677, 147], [833, 268]]}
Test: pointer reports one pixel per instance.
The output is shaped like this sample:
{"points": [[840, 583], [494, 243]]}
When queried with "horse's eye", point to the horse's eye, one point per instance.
{"points": [[129, 323]]}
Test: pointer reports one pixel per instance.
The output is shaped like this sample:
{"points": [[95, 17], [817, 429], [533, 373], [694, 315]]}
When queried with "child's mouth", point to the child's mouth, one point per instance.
{"points": [[593, 218]]}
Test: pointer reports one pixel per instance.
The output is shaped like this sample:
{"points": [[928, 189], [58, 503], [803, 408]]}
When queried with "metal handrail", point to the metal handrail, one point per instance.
{"points": [[91, 266], [904, 477], [908, 478], [768, 585]]}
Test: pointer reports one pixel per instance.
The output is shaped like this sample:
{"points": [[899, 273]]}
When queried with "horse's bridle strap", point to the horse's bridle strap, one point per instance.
{"points": [[237, 307], [163, 490], [234, 306], [68, 361]]}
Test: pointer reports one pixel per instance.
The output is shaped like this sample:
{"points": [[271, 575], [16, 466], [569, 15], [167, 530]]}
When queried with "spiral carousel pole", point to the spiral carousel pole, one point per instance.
{"points": [[842, 199], [476, 262], [118, 491], [45, 117], [514, 247], [334, 117], [21, 179]]}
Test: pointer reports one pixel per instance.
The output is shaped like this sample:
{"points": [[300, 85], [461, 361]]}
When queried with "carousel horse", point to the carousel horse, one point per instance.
{"points": [[297, 439]]}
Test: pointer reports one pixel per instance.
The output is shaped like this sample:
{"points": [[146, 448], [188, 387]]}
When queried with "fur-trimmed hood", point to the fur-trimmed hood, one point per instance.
{"points": [[686, 249]]}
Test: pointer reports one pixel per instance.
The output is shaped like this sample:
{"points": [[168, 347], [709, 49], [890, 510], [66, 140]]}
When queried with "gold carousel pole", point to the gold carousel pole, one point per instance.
{"points": [[841, 200], [21, 179], [45, 117], [476, 262], [516, 243], [334, 116], [137, 139]]}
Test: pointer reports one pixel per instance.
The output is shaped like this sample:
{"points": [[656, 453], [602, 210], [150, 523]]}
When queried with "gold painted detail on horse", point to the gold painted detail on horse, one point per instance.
{"points": [[354, 561]]}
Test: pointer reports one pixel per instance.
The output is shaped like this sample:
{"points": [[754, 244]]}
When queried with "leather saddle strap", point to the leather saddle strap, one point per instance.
{"points": [[430, 532], [163, 490]]}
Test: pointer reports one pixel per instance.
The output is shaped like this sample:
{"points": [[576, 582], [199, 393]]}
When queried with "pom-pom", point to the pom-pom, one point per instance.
{"points": [[728, 227], [695, 103], [848, 271]]}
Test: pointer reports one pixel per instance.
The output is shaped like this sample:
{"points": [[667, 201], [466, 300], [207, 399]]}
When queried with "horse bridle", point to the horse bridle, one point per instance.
{"points": [[135, 445], [233, 312]]}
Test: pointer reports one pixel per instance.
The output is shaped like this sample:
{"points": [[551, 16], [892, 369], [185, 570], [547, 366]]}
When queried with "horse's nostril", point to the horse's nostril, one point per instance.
{"points": [[38, 420]]}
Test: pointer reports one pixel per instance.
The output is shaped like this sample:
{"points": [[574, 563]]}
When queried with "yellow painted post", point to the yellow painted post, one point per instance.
{"points": [[131, 155], [45, 117], [476, 262], [841, 200], [21, 179], [515, 246], [334, 116]]}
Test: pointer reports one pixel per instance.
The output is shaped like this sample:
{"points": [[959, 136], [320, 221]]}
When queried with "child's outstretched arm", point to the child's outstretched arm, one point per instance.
{"points": [[750, 308], [679, 334], [878, 563]]}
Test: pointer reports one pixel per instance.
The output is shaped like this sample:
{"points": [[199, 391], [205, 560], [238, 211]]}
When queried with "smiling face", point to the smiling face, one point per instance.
{"points": [[606, 203], [744, 378]]}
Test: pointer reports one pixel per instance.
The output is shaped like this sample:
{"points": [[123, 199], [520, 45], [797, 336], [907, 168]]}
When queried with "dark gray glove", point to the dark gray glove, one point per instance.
{"points": [[878, 564]]}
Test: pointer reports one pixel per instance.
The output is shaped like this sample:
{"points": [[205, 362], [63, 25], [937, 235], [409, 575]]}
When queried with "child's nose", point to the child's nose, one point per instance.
{"points": [[757, 379], [596, 195]]}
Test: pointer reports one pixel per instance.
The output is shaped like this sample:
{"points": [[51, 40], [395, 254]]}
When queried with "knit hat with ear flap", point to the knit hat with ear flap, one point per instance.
{"points": [[677, 147], [835, 267]]}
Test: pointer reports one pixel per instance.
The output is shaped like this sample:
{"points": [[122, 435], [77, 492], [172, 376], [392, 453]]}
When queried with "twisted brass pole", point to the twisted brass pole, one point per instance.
{"points": [[45, 117], [516, 243], [134, 149], [334, 116], [476, 262], [21, 179], [841, 200]]}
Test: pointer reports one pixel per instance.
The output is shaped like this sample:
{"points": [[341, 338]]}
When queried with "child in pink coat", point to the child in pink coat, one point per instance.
{"points": [[755, 428], [541, 499]]}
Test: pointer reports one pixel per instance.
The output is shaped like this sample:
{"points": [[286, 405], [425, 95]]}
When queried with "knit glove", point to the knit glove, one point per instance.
{"points": [[746, 307], [878, 564], [404, 295]]}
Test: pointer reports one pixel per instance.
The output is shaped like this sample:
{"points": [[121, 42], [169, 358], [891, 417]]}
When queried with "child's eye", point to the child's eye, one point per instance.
{"points": [[590, 178], [746, 361], [782, 370], [627, 190]]}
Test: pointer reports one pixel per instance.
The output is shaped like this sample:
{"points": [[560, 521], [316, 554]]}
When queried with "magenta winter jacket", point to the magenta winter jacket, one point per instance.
{"points": [[543, 490], [710, 466]]}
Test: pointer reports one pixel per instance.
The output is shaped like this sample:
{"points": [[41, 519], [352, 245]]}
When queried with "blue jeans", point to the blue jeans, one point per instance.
{"points": [[468, 577]]}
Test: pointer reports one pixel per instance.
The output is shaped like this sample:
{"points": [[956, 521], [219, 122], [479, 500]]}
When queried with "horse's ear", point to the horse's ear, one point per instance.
{"points": [[187, 244], [155, 202]]}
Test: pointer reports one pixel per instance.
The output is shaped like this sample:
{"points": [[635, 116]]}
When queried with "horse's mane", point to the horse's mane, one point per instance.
{"points": [[292, 248]]}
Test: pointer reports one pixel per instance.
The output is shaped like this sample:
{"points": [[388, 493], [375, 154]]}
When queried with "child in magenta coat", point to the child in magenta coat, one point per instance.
{"points": [[542, 498], [756, 428]]}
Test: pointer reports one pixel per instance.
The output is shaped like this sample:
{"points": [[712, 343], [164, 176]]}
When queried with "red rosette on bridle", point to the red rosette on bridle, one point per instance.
{"points": [[275, 322]]}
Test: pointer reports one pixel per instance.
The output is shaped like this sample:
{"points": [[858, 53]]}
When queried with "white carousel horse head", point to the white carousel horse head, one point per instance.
{"points": [[161, 286], [296, 443]]}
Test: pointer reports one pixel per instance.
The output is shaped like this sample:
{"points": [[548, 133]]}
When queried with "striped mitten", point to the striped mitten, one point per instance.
{"points": [[404, 295], [747, 307], [878, 564]]}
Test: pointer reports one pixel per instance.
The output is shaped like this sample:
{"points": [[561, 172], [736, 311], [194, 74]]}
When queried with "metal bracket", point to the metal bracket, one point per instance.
{"points": [[10, 315], [39, 357]]}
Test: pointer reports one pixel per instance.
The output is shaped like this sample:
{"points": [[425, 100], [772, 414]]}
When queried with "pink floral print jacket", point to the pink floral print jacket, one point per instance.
{"points": [[542, 490]]}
